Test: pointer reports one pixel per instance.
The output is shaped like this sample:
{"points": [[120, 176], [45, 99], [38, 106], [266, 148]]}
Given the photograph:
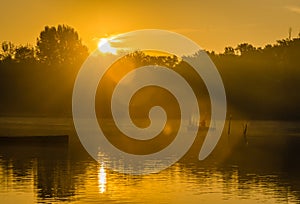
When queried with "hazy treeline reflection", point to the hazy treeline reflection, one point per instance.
{"points": [[67, 173], [48, 165]]}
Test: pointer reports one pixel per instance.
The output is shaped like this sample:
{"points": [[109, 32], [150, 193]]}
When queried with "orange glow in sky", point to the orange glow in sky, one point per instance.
{"points": [[211, 24]]}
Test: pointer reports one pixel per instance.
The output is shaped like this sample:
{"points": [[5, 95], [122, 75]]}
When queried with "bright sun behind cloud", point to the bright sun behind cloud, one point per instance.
{"points": [[104, 46]]}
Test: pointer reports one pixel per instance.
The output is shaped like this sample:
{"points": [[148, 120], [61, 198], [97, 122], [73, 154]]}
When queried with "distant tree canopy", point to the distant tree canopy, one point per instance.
{"points": [[260, 82], [284, 48], [8, 50], [60, 45], [24, 54], [29, 74]]}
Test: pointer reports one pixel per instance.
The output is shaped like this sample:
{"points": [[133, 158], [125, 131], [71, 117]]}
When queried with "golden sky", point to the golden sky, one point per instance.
{"points": [[212, 24]]}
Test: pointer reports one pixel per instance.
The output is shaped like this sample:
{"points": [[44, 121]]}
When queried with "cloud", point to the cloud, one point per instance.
{"points": [[295, 9]]}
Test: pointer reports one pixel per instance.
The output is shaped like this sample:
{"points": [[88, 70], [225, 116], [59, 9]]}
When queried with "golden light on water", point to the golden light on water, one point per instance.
{"points": [[102, 179]]}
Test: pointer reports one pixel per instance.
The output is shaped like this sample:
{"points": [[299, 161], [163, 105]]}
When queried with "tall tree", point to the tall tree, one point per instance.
{"points": [[60, 45]]}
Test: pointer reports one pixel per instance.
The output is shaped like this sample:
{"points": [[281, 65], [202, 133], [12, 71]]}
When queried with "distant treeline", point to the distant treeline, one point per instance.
{"points": [[38, 80], [260, 83]]}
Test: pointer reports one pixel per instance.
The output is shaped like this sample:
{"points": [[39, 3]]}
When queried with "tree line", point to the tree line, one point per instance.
{"points": [[260, 82], [38, 80], [55, 46]]}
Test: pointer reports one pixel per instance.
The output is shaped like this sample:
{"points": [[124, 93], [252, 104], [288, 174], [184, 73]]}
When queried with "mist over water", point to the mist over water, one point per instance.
{"points": [[263, 171]]}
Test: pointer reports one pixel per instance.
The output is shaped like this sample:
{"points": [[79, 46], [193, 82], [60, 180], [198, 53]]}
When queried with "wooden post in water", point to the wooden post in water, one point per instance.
{"points": [[229, 128], [229, 125], [245, 133]]}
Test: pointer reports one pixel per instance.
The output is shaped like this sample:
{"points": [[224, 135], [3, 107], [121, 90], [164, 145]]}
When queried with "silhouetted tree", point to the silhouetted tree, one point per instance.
{"points": [[245, 48], [24, 54], [229, 51], [8, 51], [283, 42], [60, 45]]}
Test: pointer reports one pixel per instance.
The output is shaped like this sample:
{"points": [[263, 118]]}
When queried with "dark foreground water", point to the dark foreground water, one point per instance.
{"points": [[266, 170]]}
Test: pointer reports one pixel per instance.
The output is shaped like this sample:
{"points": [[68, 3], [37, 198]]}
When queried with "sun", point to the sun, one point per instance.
{"points": [[104, 46]]}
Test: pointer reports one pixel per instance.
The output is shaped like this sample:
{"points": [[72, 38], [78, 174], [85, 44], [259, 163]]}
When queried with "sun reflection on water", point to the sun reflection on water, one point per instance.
{"points": [[102, 179]]}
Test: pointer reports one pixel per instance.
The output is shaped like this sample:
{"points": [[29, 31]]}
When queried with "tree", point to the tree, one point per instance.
{"points": [[24, 54], [245, 48], [8, 50], [229, 51], [60, 45]]}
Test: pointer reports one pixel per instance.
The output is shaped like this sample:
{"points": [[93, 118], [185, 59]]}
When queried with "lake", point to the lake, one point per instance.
{"points": [[263, 169]]}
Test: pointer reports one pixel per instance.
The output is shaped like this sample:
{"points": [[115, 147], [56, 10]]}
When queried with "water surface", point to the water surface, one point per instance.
{"points": [[265, 170]]}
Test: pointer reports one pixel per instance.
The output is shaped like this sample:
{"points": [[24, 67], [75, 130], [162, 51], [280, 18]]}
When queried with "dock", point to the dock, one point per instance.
{"points": [[47, 139]]}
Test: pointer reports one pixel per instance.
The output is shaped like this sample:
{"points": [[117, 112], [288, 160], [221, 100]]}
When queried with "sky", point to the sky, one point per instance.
{"points": [[212, 24]]}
